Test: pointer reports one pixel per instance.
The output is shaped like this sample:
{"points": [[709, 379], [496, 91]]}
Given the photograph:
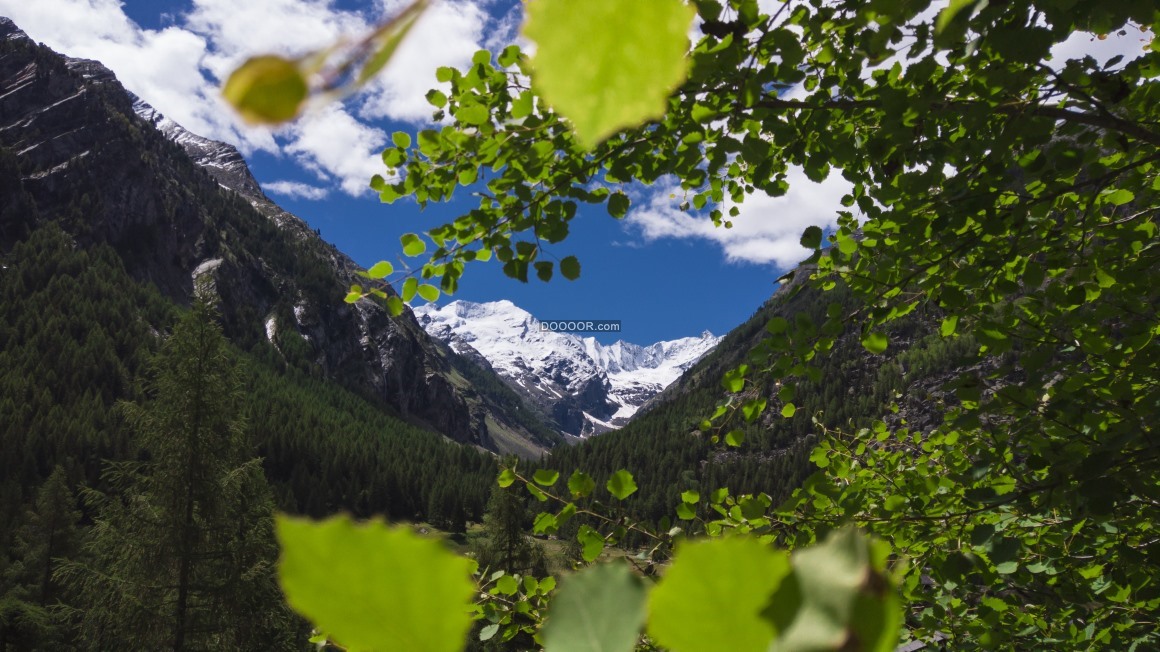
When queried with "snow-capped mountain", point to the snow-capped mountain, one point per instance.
{"points": [[222, 160], [584, 386]]}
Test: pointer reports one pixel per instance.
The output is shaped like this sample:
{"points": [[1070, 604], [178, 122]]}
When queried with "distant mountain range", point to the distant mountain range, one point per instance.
{"points": [[585, 387]]}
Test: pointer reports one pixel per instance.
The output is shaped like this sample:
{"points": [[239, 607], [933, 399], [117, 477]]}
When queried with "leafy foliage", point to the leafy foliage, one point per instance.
{"points": [[1003, 192]]}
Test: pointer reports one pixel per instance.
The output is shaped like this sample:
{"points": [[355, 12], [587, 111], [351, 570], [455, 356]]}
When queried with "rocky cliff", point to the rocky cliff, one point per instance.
{"points": [[80, 149]]}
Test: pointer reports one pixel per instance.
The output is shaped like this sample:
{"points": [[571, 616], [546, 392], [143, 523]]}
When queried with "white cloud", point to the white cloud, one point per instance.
{"points": [[296, 190], [448, 34], [768, 229], [238, 30], [333, 144]]}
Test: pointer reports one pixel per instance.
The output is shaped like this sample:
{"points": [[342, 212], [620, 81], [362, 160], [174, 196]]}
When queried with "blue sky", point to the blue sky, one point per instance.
{"points": [[664, 273]]}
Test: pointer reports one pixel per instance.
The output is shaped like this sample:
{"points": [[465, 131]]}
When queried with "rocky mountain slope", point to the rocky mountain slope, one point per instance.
{"points": [[77, 148], [584, 386]]}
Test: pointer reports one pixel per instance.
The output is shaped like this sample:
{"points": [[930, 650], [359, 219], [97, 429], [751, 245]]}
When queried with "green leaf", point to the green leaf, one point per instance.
{"points": [[473, 114], [812, 238], [394, 306], [506, 478], [536, 492], [543, 270], [712, 596], [608, 64], [352, 297], [267, 89], [836, 594], [546, 477], [618, 204], [570, 268], [410, 287], [788, 410], [690, 496], [948, 326], [428, 292], [753, 408], [412, 244], [381, 269], [1119, 196], [508, 56], [734, 379], [735, 438], [401, 139], [621, 484], [370, 586], [436, 98], [581, 484], [875, 342], [599, 609], [544, 523], [522, 105], [507, 585], [950, 12], [487, 633], [591, 543]]}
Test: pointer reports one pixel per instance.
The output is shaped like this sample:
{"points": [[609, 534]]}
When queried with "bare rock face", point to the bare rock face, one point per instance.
{"points": [[177, 206]]}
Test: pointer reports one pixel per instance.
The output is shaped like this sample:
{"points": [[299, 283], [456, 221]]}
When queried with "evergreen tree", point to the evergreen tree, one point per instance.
{"points": [[182, 548], [505, 546], [47, 533]]}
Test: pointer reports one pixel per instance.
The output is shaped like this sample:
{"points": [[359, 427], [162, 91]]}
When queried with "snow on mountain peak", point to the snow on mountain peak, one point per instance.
{"points": [[586, 386]]}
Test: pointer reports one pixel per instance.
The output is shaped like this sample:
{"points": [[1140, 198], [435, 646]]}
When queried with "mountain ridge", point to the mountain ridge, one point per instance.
{"points": [[83, 151]]}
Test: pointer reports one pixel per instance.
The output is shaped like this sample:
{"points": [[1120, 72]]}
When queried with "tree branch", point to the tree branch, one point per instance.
{"points": [[1055, 112]]}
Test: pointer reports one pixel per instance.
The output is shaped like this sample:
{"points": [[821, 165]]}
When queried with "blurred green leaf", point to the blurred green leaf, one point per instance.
{"points": [[608, 64], [267, 89], [711, 597], [599, 609], [370, 586]]}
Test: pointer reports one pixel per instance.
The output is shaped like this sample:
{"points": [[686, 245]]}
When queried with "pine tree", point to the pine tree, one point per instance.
{"points": [[505, 546], [182, 548], [30, 617]]}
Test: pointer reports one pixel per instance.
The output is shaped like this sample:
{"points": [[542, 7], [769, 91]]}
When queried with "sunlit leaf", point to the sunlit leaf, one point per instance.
{"points": [[608, 64], [712, 596], [373, 587], [621, 484], [381, 269], [875, 342]]}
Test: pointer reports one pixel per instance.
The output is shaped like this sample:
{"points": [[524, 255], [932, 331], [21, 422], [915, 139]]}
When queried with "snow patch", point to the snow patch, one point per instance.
{"points": [[206, 266]]}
